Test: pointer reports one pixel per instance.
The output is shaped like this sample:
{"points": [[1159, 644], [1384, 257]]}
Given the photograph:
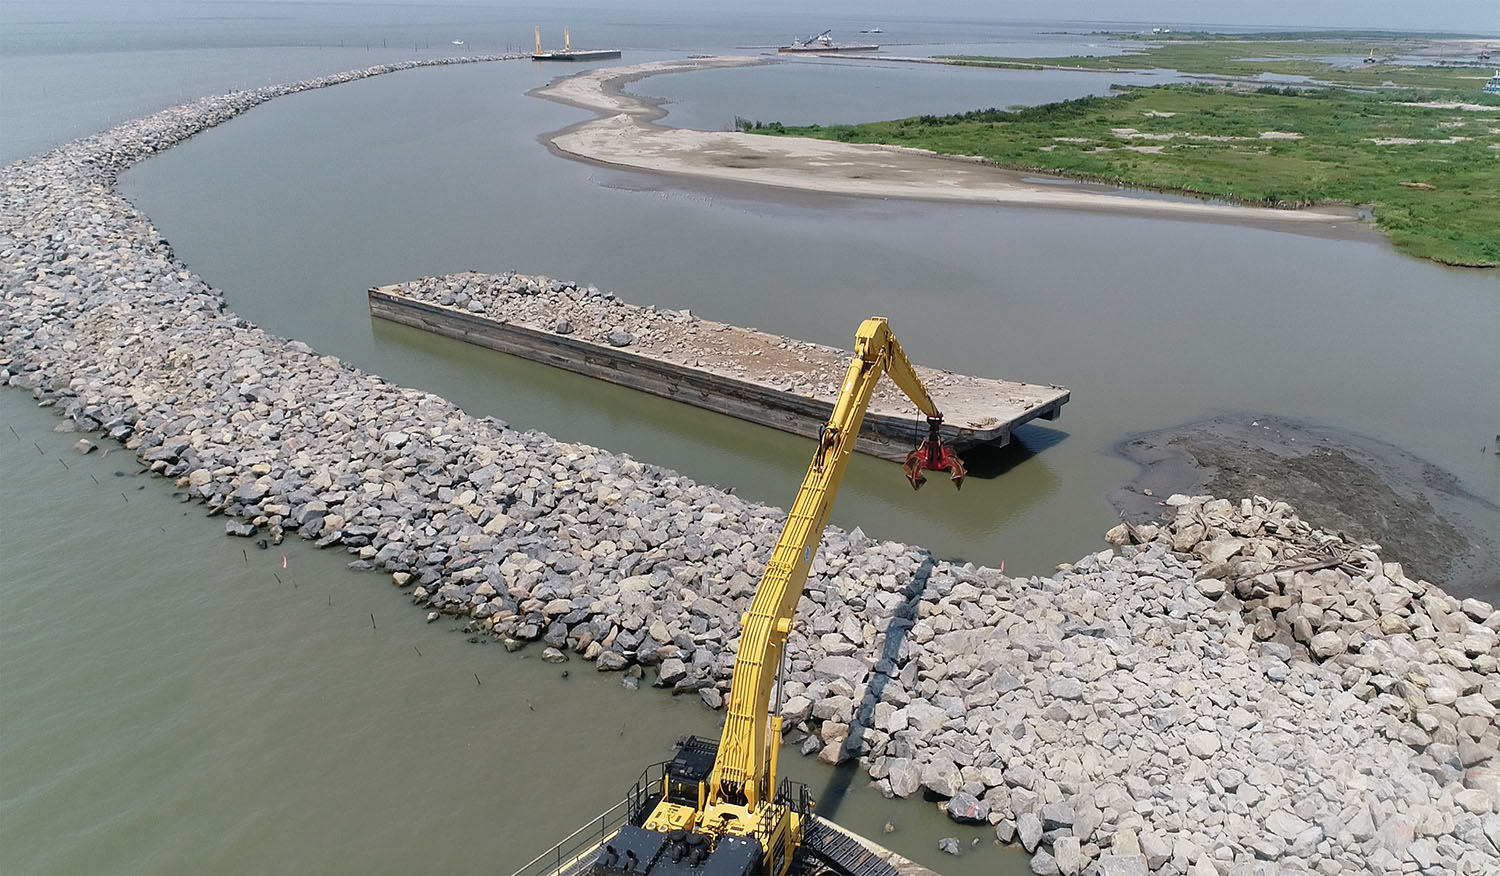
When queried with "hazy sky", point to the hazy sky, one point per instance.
{"points": [[1482, 16], [1471, 16], [1468, 15]]}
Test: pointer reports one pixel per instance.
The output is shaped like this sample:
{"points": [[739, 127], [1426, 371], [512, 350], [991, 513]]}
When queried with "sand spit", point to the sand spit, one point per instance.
{"points": [[626, 136], [1231, 690]]}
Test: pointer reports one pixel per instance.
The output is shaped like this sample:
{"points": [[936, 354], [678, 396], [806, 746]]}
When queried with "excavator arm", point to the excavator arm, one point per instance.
{"points": [[743, 773], [733, 806]]}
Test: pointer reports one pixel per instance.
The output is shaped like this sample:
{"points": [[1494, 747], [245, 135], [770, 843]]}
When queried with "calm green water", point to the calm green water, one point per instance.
{"points": [[168, 705], [175, 701], [708, 100], [296, 208]]}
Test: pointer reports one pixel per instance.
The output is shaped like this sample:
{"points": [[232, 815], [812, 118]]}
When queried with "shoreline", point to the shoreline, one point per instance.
{"points": [[1081, 713], [625, 136], [1373, 491]]}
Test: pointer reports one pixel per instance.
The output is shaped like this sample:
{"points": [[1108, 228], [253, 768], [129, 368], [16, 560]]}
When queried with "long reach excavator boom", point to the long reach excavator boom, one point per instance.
{"points": [[744, 774], [719, 810]]}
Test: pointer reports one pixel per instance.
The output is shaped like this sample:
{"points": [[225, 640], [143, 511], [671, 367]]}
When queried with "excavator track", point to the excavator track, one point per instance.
{"points": [[840, 852]]}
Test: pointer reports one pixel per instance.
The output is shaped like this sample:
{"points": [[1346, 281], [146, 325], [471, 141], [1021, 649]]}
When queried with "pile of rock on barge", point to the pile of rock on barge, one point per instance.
{"points": [[769, 379], [1229, 691]]}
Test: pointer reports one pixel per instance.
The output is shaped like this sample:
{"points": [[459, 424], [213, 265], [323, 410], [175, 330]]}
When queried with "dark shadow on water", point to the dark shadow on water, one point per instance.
{"points": [[902, 619], [988, 462]]}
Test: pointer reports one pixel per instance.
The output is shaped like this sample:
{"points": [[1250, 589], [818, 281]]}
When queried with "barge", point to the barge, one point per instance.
{"points": [[757, 376], [569, 53], [823, 44]]}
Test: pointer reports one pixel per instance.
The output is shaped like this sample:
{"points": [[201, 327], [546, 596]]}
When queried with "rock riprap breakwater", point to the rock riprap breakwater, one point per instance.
{"points": [[1231, 691]]}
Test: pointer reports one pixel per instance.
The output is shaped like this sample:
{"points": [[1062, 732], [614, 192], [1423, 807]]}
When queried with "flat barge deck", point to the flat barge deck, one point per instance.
{"points": [[577, 55], [757, 376]]}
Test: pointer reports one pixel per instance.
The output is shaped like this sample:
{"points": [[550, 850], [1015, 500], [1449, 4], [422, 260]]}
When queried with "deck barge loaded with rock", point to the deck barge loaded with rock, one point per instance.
{"points": [[757, 376]]}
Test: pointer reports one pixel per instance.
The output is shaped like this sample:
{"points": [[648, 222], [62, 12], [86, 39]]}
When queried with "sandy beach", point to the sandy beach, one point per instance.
{"points": [[626, 135]]}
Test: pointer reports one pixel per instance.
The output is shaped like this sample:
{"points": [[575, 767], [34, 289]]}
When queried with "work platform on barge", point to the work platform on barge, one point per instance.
{"points": [[569, 53], [823, 44], [753, 375], [613, 845]]}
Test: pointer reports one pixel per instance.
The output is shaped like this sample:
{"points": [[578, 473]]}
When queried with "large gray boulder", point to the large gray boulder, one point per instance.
{"points": [[1068, 853], [942, 777], [241, 528], [1043, 864], [1029, 829], [965, 808], [905, 777], [1121, 865]]}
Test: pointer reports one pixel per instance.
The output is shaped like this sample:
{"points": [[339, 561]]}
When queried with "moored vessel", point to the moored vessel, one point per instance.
{"points": [[823, 44], [569, 53], [768, 379]]}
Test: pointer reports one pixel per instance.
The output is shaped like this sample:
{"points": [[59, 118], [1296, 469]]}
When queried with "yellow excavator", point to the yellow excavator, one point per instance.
{"points": [[717, 809]]}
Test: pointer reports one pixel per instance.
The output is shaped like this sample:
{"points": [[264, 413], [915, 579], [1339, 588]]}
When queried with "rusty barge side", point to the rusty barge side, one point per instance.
{"points": [[886, 435]]}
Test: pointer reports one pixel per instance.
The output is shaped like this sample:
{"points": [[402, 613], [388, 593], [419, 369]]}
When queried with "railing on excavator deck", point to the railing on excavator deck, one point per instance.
{"points": [[575, 854]]}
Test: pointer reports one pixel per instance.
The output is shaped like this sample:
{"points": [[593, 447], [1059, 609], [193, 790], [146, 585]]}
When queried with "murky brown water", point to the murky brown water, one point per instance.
{"points": [[169, 706], [296, 208], [175, 701]]}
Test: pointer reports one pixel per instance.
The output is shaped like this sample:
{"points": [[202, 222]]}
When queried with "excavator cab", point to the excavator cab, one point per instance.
{"points": [[664, 836]]}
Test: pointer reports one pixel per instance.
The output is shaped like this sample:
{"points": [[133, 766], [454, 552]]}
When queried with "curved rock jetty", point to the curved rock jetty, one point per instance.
{"points": [[1229, 692], [764, 378]]}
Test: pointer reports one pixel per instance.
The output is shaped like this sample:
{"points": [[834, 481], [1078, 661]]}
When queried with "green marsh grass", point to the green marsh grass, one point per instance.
{"points": [[1437, 198]]}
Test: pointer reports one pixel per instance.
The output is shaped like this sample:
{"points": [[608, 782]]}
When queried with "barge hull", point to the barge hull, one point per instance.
{"points": [[577, 55], [824, 50], [883, 435]]}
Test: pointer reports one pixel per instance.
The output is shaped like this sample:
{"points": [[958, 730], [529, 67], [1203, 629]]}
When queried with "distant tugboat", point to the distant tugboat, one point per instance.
{"points": [[822, 44]]}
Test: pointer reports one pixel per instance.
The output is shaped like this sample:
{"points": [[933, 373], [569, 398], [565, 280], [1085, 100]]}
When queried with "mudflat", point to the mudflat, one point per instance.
{"points": [[1370, 490]]}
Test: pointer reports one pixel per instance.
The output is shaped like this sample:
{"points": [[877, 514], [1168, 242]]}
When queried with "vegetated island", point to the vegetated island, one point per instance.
{"points": [[625, 135], [1417, 143]]}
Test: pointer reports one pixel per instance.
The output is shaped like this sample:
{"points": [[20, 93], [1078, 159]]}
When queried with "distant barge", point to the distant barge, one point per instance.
{"points": [[753, 375], [823, 44], [569, 53]]}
